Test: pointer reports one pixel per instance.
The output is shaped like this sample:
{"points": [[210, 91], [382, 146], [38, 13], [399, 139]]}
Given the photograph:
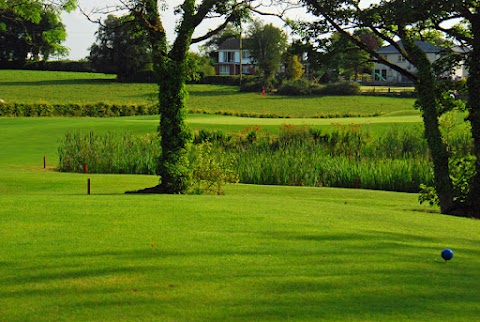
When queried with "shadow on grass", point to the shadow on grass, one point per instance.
{"points": [[285, 274]]}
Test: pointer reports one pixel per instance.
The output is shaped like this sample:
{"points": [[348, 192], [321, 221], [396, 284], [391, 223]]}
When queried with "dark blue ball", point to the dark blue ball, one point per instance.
{"points": [[447, 254]]}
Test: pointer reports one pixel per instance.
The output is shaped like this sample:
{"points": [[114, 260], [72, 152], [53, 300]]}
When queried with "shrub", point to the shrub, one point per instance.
{"points": [[298, 87], [217, 136], [211, 170], [341, 88], [233, 80], [252, 86]]}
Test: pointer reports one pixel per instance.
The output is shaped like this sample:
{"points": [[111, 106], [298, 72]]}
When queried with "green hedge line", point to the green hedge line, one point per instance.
{"points": [[93, 110], [58, 66]]}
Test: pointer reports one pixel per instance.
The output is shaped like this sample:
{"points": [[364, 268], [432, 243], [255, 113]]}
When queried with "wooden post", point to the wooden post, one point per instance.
{"points": [[44, 162], [88, 186]]}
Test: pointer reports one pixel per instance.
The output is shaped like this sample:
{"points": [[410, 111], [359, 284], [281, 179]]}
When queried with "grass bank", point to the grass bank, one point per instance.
{"points": [[262, 253], [90, 88]]}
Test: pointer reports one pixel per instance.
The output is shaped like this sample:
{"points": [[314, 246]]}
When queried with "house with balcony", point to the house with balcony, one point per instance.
{"points": [[383, 74], [229, 62]]}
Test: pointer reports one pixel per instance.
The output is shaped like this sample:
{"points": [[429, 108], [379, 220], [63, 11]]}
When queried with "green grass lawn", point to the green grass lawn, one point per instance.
{"points": [[257, 253], [260, 253], [63, 88]]}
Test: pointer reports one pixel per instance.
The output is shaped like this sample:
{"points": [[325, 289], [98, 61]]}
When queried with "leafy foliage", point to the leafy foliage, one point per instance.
{"points": [[91, 110], [406, 21], [266, 44], [31, 31], [121, 48], [199, 67], [294, 69], [211, 170]]}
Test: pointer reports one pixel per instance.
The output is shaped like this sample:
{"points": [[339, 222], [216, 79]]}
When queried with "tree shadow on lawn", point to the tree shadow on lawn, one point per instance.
{"points": [[339, 282]]}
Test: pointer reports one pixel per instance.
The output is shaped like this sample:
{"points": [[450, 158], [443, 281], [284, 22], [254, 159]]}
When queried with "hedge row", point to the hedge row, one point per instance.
{"points": [[58, 66], [233, 80], [93, 110], [305, 87]]}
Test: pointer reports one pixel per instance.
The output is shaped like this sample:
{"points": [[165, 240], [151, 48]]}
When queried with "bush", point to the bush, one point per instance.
{"points": [[61, 66], [233, 80], [211, 170], [341, 88], [252, 87], [305, 87], [298, 87]]}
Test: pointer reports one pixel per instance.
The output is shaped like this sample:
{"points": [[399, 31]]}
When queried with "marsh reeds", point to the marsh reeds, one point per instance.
{"points": [[109, 153], [344, 156]]}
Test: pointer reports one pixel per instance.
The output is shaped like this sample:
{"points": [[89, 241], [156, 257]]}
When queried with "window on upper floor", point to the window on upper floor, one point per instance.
{"points": [[228, 56]]}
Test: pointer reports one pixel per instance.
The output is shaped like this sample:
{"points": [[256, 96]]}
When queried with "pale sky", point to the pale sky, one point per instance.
{"points": [[81, 32]]}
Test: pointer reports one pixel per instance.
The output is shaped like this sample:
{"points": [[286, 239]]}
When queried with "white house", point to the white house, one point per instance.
{"points": [[384, 74], [229, 62]]}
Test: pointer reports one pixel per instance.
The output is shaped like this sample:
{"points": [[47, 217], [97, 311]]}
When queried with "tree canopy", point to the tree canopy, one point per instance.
{"points": [[31, 30], [266, 44], [121, 48]]}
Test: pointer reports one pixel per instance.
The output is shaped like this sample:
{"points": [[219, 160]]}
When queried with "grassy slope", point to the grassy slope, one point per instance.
{"points": [[60, 87], [258, 253]]}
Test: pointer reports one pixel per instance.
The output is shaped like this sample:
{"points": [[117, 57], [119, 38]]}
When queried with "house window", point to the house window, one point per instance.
{"points": [[401, 58], [229, 57], [224, 70], [245, 54], [380, 75], [245, 69], [384, 74]]}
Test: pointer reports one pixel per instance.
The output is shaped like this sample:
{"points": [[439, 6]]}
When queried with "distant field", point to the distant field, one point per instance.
{"points": [[64, 88]]}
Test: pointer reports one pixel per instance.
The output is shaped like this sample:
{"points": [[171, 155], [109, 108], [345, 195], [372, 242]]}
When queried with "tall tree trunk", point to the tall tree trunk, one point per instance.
{"points": [[170, 71], [425, 86], [175, 135], [473, 105]]}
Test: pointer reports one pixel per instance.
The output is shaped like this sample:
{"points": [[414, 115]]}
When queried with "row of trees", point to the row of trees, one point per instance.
{"points": [[389, 21], [123, 48]]}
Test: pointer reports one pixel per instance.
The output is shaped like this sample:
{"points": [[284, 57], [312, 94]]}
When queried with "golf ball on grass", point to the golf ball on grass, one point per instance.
{"points": [[447, 254]]}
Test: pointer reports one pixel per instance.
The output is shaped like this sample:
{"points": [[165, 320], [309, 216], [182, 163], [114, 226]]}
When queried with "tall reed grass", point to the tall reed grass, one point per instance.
{"points": [[344, 156], [109, 153]]}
